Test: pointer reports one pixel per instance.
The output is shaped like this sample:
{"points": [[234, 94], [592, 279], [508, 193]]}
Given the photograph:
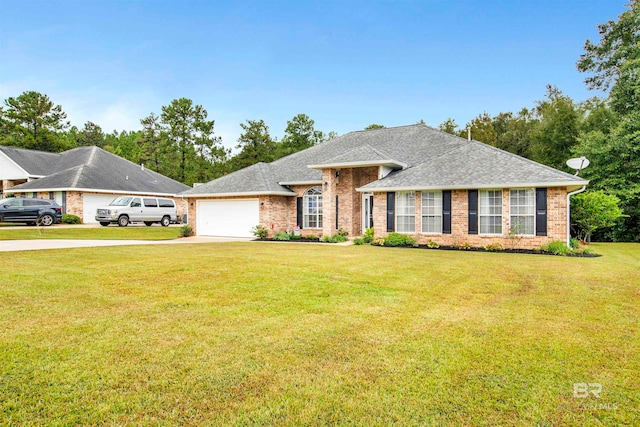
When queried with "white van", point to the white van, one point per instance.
{"points": [[125, 209]]}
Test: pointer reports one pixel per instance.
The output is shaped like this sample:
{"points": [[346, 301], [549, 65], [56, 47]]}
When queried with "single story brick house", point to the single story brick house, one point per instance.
{"points": [[410, 179], [81, 179]]}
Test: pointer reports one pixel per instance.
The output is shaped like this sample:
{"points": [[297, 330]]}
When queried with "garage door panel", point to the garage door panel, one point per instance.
{"points": [[227, 218], [91, 202]]}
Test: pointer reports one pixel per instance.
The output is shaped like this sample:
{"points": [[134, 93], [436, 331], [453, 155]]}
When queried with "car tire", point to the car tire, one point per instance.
{"points": [[165, 221], [123, 221], [46, 220], [104, 224], [148, 223]]}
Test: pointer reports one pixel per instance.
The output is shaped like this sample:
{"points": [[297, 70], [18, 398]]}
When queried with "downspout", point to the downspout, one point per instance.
{"points": [[584, 187]]}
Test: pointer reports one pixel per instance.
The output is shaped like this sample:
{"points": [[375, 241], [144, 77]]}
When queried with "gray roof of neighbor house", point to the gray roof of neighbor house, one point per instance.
{"points": [[431, 159], [35, 163], [89, 168]]}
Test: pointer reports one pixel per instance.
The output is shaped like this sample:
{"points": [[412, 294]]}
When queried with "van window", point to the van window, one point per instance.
{"points": [[166, 203], [136, 203], [120, 201], [150, 203]]}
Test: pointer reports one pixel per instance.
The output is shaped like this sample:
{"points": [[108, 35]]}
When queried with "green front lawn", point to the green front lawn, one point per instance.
{"points": [[91, 233], [289, 334]]}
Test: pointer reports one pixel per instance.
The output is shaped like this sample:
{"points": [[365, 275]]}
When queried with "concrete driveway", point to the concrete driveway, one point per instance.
{"points": [[34, 245]]}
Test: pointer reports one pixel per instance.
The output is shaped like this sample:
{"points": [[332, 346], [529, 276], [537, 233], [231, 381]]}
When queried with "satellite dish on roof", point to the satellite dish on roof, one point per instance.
{"points": [[578, 163]]}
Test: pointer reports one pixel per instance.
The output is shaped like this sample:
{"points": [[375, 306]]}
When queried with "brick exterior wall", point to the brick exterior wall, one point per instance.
{"points": [[343, 183], [556, 221], [278, 213]]}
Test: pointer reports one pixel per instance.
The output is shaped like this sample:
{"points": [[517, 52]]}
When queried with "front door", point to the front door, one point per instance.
{"points": [[367, 211]]}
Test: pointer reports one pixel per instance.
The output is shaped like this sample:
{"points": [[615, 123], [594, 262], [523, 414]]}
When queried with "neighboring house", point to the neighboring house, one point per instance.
{"points": [[80, 180], [411, 179]]}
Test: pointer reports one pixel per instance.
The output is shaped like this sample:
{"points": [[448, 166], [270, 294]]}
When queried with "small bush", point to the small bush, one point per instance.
{"points": [[432, 245], [586, 250], [494, 247], [557, 247], [334, 239], [71, 219], [574, 243], [359, 241], [260, 232], [399, 239], [281, 236], [464, 246], [368, 235], [342, 232], [186, 231], [378, 242]]}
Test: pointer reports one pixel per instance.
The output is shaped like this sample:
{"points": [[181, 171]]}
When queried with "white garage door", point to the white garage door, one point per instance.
{"points": [[91, 202], [228, 218]]}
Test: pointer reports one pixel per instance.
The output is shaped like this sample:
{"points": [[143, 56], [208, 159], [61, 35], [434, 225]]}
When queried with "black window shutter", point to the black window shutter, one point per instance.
{"points": [[473, 211], [541, 211], [299, 211], [391, 214], [336, 212], [446, 212], [64, 202]]}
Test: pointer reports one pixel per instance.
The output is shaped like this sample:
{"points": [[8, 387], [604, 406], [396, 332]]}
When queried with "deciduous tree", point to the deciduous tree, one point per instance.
{"points": [[614, 62], [593, 210]]}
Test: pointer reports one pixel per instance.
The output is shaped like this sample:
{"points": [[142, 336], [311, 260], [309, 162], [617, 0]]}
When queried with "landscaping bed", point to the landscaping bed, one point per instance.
{"points": [[506, 251], [556, 247]]}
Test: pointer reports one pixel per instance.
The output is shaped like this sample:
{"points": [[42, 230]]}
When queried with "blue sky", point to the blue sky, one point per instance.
{"points": [[346, 64]]}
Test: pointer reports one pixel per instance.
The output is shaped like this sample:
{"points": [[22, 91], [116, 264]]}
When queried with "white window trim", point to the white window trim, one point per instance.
{"points": [[397, 215], [423, 215], [532, 215], [480, 215], [305, 209]]}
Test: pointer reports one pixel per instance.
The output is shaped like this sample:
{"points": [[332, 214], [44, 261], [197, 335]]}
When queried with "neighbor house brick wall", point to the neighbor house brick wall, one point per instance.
{"points": [[556, 221], [74, 202]]}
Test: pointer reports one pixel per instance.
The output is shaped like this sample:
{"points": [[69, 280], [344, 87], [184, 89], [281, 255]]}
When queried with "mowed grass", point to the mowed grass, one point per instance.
{"points": [[298, 334], [91, 233]]}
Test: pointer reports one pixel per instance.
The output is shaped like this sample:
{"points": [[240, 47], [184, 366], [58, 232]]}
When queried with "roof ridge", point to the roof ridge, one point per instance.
{"points": [[386, 127], [92, 155], [76, 178]]}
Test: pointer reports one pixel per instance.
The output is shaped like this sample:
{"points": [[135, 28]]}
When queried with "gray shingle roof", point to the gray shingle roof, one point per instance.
{"points": [[363, 155], [255, 179], [92, 168], [433, 159], [473, 165], [35, 163]]}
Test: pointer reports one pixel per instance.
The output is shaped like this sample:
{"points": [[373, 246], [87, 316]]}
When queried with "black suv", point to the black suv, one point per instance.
{"points": [[30, 210]]}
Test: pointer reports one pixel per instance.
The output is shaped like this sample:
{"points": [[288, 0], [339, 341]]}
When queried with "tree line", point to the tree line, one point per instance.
{"points": [[181, 143]]}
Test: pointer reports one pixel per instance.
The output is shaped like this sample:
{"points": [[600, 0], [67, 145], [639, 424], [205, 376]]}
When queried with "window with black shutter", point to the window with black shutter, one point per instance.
{"points": [[391, 216], [473, 211], [541, 211]]}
